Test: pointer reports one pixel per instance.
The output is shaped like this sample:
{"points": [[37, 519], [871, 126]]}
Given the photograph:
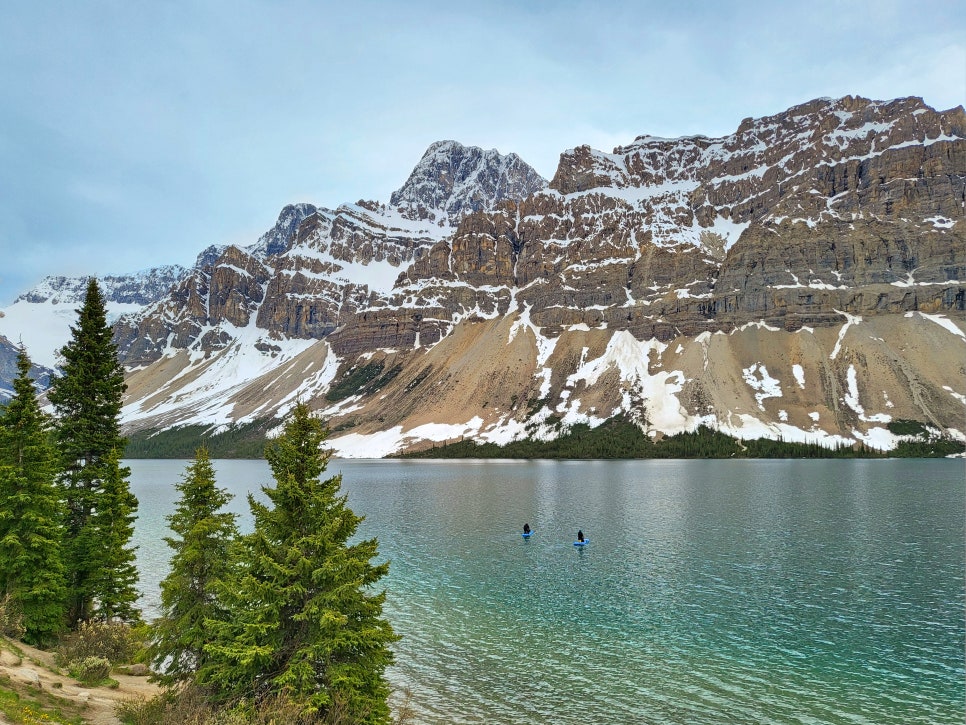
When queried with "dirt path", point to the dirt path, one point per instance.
{"points": [[33, 671]]}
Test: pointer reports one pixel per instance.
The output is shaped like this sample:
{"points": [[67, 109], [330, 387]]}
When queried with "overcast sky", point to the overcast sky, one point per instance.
{"points": [[134, 134]]}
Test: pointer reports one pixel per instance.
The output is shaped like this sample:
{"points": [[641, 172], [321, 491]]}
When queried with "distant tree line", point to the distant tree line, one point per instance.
{"points": [[620, 438], [244, 440]]}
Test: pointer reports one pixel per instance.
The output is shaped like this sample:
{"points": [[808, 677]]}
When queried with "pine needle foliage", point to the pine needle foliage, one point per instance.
{"points": [[115, 583], [202, 541], [304, 622], [32, 572], [87, 402]]}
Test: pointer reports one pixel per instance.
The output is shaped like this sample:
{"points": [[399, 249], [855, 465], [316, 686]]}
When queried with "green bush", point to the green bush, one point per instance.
{"points": [[90, 670], [116, 642]]}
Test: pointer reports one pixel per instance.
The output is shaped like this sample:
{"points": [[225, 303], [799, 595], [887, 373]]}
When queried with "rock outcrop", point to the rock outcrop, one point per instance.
{"points": [[317, 270], [846, 204]]}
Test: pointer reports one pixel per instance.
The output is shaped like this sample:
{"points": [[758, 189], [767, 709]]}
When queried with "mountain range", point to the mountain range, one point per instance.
{"points": [[803, 278]]}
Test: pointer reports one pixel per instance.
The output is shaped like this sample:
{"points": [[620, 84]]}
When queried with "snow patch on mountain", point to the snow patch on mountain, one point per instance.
{"points": [[851, 399], [210, 381], [387, 442], [762, 383], [943, 322]]}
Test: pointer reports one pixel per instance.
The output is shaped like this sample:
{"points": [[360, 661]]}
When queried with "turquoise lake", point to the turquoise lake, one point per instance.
{"points": [[711, 591]]}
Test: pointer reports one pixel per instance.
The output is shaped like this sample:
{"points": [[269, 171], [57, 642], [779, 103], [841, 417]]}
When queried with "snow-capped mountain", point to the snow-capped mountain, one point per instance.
{"points": [[801, 278], [318, 267], [41, 318], [452, 180]]}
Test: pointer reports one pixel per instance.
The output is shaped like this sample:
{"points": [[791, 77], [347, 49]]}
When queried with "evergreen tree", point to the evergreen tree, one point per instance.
{"points": [[202, 541], [87, 400], [31, 564], [115, 583], [303, 622]]}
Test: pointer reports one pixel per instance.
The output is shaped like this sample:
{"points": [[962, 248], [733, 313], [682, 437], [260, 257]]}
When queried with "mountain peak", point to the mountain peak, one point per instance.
{"points": [[452, 180], [277, 239]]}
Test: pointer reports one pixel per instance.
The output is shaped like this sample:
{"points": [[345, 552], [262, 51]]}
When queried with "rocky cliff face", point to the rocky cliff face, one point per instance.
{"points": [[833, 205], [802, 277], [317, 268]]}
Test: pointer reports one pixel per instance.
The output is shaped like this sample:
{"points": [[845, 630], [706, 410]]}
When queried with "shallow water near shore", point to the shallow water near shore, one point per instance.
{"points": [[711, 591]]}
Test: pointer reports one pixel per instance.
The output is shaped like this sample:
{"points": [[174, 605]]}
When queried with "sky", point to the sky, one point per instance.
{"points": [[135, 134]]}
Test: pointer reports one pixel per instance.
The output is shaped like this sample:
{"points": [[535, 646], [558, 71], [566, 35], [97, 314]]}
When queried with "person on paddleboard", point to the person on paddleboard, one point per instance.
{"points": [[580, 535], [526, 528]]}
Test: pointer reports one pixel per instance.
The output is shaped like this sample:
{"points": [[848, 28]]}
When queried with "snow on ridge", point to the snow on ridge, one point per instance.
{"points": [[218, 376], [388, 222]]}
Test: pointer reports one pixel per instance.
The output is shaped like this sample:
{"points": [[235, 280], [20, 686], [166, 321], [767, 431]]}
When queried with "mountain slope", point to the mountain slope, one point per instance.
{"points": [[800, 278]]}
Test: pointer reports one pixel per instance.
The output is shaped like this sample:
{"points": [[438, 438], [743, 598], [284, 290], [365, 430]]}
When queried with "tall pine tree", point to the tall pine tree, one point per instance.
{"points": [[203, 537], [87, 400], [115, 583], [31, 563], [304, 623]]}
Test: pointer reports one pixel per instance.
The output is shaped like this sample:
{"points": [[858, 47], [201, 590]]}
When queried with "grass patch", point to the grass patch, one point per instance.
{"points": [[25, 705]]}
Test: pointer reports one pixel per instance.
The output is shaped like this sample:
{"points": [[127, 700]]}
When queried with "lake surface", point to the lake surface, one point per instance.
{"points": [[711, 591]]}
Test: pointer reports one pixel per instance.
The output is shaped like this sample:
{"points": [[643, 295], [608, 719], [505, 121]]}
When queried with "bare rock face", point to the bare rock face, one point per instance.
{"points": [[452, 180], [790, 218], [277, 239], [317, 269], [228, 291]]}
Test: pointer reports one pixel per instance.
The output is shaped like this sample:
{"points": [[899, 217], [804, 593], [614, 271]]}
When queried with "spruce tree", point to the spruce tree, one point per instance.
{"points": [[303, 621], [31, 564], [115, 583], [87, 401], [203, 536]]}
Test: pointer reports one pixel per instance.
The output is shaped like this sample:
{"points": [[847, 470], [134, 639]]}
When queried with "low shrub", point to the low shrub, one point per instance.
{"points": [[90, 671], [114, 641]]}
